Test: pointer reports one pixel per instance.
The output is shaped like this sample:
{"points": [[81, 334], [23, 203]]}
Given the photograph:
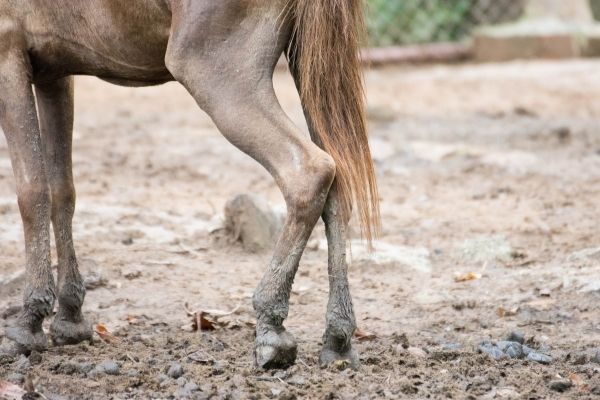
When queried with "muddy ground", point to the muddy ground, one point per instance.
{"points": [[492, 170]]}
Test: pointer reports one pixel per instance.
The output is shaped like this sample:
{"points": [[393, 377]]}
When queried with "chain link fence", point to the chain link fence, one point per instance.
{"points": [[404, 22]]}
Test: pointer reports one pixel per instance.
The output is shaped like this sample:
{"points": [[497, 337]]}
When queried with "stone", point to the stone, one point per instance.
{"points": [[539, 358], [491, 350], [175, 370], [561, 385], [250, 220], [109, 367], [511, 349]]}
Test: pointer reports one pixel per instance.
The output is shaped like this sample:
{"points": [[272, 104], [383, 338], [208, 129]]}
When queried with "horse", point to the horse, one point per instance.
{"points": [[224, 53]]}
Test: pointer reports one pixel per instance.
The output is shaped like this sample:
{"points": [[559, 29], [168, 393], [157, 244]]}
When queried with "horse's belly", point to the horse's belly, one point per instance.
{"points": [[115, 40]]}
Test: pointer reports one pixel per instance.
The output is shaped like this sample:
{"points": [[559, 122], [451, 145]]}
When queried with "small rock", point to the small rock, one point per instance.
{"points": [[109, 367], [297, 381], [561, 385], [85, 367], [416, 352], [161, 378], [22, 365], [219, 367], [539, 358], [16, 378], [252, 221], [175, 371], [132, 373], [516, 336], [182, 381], [491, 350], [511, 349], [451, 346]]}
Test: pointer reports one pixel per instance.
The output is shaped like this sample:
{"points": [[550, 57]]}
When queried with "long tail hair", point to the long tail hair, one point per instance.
{"points": [[324, 57]]}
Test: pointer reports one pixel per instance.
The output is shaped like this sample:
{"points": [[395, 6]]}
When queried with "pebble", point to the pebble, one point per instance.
{"points": [[133, 373], [491, 350], [175, 371], [516, 336], [561, 385], [161, 378], [109, 367], [85, 367], [539, 358], [219, 367], [22, 365], [182, 381], [511, 349], [68, 368]]}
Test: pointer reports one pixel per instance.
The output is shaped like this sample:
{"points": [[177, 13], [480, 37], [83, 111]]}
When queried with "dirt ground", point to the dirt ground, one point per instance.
{"points": [[492, 170]]}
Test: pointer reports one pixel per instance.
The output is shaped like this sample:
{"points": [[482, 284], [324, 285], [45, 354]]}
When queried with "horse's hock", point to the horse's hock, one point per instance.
{"points": [[553, 29]]}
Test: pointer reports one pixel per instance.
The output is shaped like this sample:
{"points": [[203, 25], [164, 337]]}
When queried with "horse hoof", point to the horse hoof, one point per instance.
{"points": [[25, 341], [275, 350], [340, 359], [63, 332]]}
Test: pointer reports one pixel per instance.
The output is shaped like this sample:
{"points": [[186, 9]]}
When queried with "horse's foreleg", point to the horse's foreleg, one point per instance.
{"points": [[340, 320], [19, 121], [55, 108]]}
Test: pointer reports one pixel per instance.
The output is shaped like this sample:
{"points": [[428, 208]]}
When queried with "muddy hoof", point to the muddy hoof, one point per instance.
{"points": [[64, 332], [344, 359], [25, 341], [275, 350]]}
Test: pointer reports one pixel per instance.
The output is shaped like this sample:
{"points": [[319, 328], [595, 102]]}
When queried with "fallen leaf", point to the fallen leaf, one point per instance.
{"points": [[132, 319], [364, 336], [503, 312], [578, 381], [471, 276], [208, 320], [10, 391], [104, 334]]}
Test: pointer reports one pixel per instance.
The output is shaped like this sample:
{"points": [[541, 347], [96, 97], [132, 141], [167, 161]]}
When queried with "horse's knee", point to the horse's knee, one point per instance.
{"points": [[305, 192], [34, 201]]}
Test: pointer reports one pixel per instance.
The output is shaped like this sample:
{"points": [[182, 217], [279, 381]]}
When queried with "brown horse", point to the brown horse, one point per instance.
{"points": [[224, 53]]}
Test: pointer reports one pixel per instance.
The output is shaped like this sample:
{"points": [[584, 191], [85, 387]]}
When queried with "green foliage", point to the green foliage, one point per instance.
{"points": [[393, 22]]}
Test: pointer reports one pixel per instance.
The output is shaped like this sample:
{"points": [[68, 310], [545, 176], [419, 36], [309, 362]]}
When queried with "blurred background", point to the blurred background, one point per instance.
{"points": [[395, 22]]}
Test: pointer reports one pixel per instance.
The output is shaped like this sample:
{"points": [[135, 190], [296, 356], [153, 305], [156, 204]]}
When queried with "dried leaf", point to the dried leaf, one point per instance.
{"points": [[364, 336], [104, 334], [503, 312], [11, 391], [209, 320], [132, 319], [471, 276], [578, 381]]}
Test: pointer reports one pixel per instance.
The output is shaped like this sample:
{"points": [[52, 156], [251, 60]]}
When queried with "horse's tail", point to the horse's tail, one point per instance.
{"points": [[324, 57]]}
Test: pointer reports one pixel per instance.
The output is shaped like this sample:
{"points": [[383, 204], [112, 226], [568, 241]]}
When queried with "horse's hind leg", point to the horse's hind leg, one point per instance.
{"points": [[340, 320], [229, 74], [55, 108], [19, 121]]}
